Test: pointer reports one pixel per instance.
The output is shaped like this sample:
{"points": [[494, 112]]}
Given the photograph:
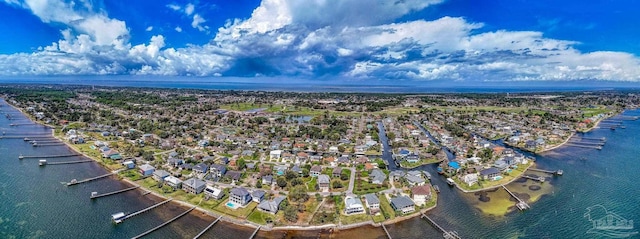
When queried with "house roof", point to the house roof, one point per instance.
{"points": [[194, 183], [146, 167], [402, 202], [271, 205], [218, 167], [161, 173], [337, 170], [258, 194], [489, 171], [233, 175], [421, 190], [323, 179], [352, 202], [201, 167], [378, 175], [242, 192], [371, 198]]}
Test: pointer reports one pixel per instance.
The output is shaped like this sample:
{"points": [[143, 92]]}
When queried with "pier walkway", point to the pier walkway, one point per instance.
{"points": [[207, 228], [95, 195], [446, 234], [48, 156], [28, 137], [591, 138], [146, 209], [385, 231], [255, 232], [521, 204], [163, 224], [68, 162], [540, 179], [74, 182], [559, 172], [584, 146], [47, 144]]}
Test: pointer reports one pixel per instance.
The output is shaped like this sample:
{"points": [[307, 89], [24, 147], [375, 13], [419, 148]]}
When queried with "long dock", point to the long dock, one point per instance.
{"points": [[163, 224], [587, 143], [584, 146], [521, 204], [94, 195], [48, 156], [49, 144], [70, 162], [74, 182], [559, 172], [540, 179], [146, 209], [27, 137], [385, 231], [207, 228], [255, 232], [446, 234], [591, 138]]}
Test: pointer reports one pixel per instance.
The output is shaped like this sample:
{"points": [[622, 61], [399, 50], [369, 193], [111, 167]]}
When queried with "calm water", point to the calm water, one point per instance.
{"points": [[36, 204]]}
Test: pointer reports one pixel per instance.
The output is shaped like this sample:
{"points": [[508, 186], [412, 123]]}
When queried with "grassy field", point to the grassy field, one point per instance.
{"points": [[589, 112], [406, 164], [260, 217], [362, 187], [385, 206], [350, 219], [242, 212]]}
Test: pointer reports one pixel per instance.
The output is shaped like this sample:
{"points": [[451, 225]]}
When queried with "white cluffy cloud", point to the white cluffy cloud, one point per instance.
{"points": [[317, 38]]}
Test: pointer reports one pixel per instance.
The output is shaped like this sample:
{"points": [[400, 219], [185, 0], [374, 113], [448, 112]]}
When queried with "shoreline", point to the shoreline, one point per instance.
{"points": [[226, 218], [496, 186]]}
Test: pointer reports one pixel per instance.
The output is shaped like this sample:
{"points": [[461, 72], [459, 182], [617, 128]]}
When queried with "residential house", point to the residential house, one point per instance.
{"points": [[267, 180], [280, 169], [323, 182], [412, 158], [372, 202], [421, 194], [271, 206], [275, 154], [352, 205], [377, 176], [500, 165], [218, 169], [239, 196], [337, 171], [201, 168], [296, 169], [490, 173], [344, 160], [315, 170], [233, 175], [129, 164], [213, 192], [173, 182], [403, 204], [160, 175], [146, 169], [470, 179], [257, 195], [193, 185], [414, 180]]}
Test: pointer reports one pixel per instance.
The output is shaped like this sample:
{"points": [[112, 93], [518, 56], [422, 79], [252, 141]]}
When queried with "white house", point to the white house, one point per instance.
{"points": [[421, 194], [470, 179], [275, 154], [352, 205]]}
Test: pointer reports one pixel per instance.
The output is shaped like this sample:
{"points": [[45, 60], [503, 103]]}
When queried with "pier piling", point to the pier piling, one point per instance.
{"points": [[146, 209], [446, 234], [255, 232], [207, 228], [522, 205]]}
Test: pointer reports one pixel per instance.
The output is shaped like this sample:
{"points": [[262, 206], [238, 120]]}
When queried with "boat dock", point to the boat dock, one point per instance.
{"points": [[255, 232], [163, 224], [521, 204], [44, 162], [47, 144], [48, 156], [74, 181], [22, 124], [95, 195], [385, 231], [559, 172], [590, 138], [540, 179], [146, 209], [27, 137], [446, 234], [587, 143], [584, 146], [207, 228]]}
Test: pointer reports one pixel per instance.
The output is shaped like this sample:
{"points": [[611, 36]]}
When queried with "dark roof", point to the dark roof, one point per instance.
{"points": [[401, 202], [371, 198], [240, 192], [489, 171], [233, 175]]}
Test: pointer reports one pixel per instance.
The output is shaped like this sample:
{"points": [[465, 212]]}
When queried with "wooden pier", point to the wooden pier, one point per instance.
{"points": [[558, 172], [590, 138], [49, 144], [163, 224], [385, 231], [587, 143], [95, 195], [522, 205], [446, 234], [146, 209], [74, 182], [207, 228], [68, 162], [584, 146], [255, 232], [540, 179], [48, 156], [27, 137]]}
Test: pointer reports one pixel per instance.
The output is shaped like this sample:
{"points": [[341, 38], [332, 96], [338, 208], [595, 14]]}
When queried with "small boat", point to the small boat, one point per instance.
{"points": [[435, 187], [440, 170], [613, 128], [559, 172], [623, 127], [42, 162], [450, 182], [26, 139], [118, 217]]}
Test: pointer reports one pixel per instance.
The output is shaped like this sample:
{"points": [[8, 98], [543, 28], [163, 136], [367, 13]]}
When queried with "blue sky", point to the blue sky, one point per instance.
{"points": [[410, 40]]}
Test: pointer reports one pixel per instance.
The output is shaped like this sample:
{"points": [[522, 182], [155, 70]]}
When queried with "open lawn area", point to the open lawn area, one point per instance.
{"points": [[378, 218], [363, 187], [350, 219], [589, 112], [386, 208], [242, 212], [261, 217]]}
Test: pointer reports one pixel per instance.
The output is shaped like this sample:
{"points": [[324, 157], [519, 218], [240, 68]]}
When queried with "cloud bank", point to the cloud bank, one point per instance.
{"points": [[346, 39]]}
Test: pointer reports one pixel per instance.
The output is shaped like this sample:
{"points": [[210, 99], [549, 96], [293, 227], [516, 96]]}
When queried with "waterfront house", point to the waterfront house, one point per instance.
{"points": [[336, 172], [218, 169], [267, 180], [323, 182], [239, 196], [315, 170], [500, 165], [160, 175], [412, 158], [421, 194], [352, 205], [213, 192], [146, 169], [173, 182], [193, 185], [271, 206], [201, 168], [490, 173], [414, 180], [257, 196], [377, 176], [470, 179], [129, 164], [403, 204], [372, 202]]}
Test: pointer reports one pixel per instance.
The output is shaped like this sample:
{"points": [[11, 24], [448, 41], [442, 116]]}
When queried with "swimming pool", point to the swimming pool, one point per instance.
{"points": [[232, 205]]}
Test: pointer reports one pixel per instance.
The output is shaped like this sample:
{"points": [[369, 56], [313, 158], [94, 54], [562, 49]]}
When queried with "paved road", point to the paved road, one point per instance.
{"points": [[352, 180]]}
